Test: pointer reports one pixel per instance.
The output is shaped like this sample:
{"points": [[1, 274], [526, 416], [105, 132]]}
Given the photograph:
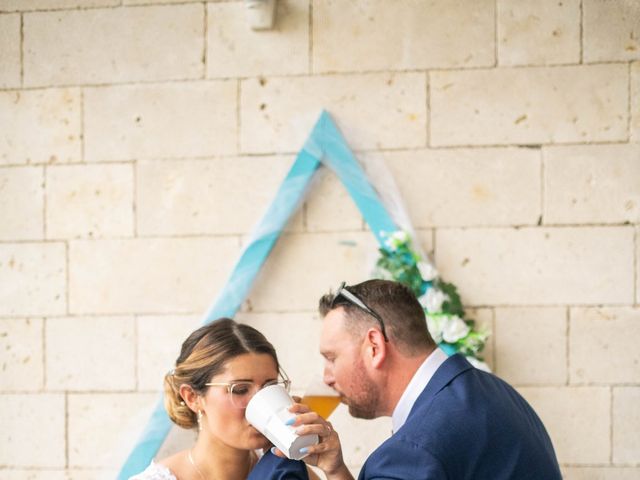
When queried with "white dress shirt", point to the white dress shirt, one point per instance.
{"points": [[415, 387]]}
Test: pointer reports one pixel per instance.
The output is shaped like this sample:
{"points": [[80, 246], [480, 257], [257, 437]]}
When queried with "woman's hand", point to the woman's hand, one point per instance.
{"points": [[327, 454]]}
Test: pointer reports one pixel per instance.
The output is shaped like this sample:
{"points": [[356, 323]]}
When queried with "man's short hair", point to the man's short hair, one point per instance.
{"points": [[399, 308]]}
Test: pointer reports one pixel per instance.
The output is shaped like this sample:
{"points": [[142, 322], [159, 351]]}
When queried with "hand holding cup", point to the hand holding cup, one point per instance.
{"points": [[327, 453]]}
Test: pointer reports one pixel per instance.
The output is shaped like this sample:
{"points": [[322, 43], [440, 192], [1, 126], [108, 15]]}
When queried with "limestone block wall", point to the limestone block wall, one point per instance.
{"points": [[140, 141]]}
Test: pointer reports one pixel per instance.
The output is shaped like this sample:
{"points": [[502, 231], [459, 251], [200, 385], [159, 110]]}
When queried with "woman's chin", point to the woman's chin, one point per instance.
{"points": [[258, 439]]}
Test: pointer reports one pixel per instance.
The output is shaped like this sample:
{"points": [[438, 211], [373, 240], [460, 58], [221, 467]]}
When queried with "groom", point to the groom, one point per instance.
{"points": [[450, 420]]}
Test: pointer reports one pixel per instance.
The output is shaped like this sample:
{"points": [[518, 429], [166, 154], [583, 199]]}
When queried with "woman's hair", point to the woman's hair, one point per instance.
{"points": [[204, 354]]}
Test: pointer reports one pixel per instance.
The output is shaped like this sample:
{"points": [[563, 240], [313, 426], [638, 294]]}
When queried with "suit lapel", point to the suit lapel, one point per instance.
{"points": [[450, 369]]}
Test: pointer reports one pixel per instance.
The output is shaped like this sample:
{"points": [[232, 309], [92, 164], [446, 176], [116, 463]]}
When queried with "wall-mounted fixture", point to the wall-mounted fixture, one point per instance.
{"points": [[261, 14]]}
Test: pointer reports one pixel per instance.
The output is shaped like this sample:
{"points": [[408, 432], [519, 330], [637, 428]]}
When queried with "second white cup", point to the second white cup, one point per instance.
{"points": [[268, 411]]}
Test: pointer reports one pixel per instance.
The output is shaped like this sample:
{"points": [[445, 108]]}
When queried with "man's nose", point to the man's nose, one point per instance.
{"points": [[327, 376]]}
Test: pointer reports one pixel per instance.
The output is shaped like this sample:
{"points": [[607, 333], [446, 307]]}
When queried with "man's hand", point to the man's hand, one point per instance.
{"points": [[327, 454]]}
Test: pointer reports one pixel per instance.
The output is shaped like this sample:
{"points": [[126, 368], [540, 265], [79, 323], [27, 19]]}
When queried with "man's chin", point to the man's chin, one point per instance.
{"points": [[365, 414]]}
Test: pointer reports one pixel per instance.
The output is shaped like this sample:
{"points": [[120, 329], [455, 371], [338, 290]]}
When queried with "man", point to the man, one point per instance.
{"points": [[450, 420]]}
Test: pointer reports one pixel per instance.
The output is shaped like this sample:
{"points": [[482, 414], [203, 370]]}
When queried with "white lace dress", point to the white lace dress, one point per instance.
{"points": [[154, 471]]}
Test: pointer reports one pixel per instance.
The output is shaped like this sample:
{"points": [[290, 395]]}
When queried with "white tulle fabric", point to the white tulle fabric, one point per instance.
{"points": [[154, 471]]}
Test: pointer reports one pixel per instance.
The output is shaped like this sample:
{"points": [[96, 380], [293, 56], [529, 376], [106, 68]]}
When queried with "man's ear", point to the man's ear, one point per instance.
{"points": [[190, 397], [375, 347]]}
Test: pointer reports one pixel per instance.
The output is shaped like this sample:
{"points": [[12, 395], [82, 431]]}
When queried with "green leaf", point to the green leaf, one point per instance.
{"points": [[452, 306], [401, 265]]}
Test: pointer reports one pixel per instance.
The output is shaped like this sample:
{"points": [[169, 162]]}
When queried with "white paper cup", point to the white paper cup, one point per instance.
{"points": [[268, 411]]}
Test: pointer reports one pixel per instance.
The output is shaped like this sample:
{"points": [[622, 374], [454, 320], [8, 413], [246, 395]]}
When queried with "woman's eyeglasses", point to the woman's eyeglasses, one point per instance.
{"points": [[242, 392], [342, 292]]}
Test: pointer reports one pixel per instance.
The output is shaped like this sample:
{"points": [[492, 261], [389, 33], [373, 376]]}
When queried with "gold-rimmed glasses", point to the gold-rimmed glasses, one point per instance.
{"points": [[242, 392]]}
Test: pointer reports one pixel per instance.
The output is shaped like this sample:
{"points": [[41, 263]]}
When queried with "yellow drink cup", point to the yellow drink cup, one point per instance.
{"points": [[321, 398], [322, 405]]}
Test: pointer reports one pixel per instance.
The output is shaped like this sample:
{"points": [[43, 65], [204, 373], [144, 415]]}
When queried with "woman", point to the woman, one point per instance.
{"points": [[220, 367]]}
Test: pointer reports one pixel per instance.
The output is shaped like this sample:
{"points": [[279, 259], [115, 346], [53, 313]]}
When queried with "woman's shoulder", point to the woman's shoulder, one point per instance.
{"points": [[155, 471]]}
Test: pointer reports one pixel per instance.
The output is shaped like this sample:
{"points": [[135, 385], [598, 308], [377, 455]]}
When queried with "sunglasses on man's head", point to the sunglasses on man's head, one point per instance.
{"points": [[349, 297]]}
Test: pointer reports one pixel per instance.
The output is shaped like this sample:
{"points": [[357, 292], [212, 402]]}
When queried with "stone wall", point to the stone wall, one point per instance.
{"points": [[141, 140]]}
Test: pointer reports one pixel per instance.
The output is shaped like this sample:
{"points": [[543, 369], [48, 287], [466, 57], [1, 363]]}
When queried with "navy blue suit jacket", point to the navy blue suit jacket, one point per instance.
{"points": [[271, 467], [466, 424]]}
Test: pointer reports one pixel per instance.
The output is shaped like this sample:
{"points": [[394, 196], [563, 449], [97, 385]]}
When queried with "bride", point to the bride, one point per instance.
{"points": [[220, 367]]}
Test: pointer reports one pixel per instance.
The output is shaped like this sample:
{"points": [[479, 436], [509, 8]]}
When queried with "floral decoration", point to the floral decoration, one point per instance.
{"points": [[440, 300]]}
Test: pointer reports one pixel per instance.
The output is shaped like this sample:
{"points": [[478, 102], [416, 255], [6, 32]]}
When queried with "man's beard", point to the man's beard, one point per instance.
{"points": [[365, 403]]}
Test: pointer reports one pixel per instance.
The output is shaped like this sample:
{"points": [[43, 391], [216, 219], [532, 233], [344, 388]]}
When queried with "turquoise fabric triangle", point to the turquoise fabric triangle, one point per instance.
{"points": [[327, 145]]}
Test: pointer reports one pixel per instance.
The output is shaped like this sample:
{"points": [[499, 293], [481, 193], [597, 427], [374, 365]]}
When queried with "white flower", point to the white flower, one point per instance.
{"points": [[427, 271], [434, 324], [479, 364], [454, 329], [433, 299], [396, 239]]}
